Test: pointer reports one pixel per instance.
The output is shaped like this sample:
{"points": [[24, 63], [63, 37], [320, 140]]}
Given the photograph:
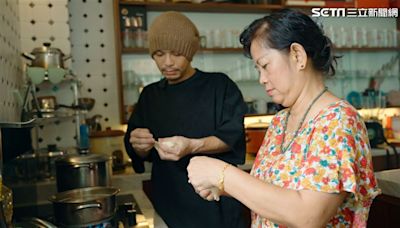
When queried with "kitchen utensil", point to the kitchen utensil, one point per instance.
{"points": [[47, 103], [86, 103], [34, 222], [84, 206], [376, 137], [354, 98], [46, 57], [94, 123], [110, 143], [83, 170], [55, 74], [251, 106], [37, 165], [36, 74]]}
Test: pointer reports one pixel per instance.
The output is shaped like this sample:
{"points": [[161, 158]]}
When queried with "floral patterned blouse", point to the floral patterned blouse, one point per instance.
{"points": [[330, 154]]}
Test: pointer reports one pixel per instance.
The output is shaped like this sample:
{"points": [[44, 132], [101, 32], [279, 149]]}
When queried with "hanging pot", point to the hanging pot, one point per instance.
{"points": [[84, 207], [83, 170], [46, 57]]}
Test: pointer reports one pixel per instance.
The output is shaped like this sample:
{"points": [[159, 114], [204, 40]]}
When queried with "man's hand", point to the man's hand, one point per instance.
{"points": [[142, 141], [176, 147]]}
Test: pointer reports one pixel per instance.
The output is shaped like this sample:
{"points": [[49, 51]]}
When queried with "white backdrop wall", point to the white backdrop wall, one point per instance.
{"points": [[10, 61]]}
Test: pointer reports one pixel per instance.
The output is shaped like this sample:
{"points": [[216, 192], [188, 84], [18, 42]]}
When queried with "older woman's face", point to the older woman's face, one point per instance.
{"points": [[275, 72]]}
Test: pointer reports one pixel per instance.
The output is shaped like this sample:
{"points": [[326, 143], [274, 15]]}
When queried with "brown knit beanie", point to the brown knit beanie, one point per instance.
{"points": [[173, 31]]}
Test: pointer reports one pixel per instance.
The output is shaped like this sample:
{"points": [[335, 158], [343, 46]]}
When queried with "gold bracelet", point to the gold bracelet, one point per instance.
{"points": [[222, 179]]}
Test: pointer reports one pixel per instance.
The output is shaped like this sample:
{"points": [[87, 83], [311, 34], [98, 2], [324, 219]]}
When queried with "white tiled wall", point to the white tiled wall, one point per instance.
{"points": [[93, 48], [10, 61], [44, 21], [84, 29]]}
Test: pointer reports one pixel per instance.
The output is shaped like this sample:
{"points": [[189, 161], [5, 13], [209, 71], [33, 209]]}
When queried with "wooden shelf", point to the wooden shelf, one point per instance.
{"points": [[209, 7], [202, 50], [367, 49], [240, 50]]}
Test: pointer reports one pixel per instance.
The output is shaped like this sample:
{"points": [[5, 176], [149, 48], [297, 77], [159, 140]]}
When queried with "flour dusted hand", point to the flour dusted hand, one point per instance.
{"points": [[173, 148]]}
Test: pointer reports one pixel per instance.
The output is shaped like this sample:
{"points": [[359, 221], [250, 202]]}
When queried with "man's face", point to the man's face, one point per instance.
{"points": [[174, 66]]}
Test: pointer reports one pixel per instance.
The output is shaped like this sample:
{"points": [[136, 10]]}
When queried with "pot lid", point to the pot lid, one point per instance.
{"points": [[75, 159], [46, 49]]}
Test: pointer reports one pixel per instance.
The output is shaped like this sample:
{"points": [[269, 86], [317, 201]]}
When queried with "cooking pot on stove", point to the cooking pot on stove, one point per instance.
{"points": [[83, 170], [85, 206], [46, 56]]}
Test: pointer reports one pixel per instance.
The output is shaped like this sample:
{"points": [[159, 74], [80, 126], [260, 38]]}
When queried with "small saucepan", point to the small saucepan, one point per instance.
{"points": [[49, 104]]}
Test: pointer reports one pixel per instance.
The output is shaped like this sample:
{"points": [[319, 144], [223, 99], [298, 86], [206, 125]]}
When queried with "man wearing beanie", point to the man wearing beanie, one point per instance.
{"points": [[187, 113]]}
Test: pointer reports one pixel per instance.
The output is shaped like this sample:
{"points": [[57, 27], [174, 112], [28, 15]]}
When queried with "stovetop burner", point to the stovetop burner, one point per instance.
{"points": [[127, 212]]}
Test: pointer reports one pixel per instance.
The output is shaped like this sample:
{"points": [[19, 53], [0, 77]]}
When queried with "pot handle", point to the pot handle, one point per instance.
{"points": [[82, 166], [92, 205], [67, 57], [28, 56]]}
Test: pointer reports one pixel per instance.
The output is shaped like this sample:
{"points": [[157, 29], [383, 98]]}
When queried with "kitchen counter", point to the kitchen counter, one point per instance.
{"points": [[389, 182], [131, 183]]}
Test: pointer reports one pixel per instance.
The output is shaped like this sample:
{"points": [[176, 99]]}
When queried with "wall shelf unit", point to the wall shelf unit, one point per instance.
{"points": [[210, 7], [124, 9], [240, 50]]}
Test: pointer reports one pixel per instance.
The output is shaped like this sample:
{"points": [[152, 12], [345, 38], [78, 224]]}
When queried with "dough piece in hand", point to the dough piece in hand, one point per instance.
{"points": [[169, 144], [215, 193]]}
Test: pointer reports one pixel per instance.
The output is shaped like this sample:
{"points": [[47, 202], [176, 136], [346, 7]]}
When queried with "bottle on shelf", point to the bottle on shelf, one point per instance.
{"points": [[139, 33], [127, 33], [84, 135]]}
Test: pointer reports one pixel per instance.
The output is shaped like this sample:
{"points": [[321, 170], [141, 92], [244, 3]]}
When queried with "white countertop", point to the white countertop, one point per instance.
{"points": [[389, 182], [131, 183]]}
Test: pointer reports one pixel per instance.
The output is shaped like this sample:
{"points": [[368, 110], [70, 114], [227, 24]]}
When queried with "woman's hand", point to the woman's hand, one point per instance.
{"points": [[209, 194], [204, 174]]}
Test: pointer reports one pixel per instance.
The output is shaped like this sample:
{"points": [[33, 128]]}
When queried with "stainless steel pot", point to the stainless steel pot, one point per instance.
{"points": [[85, 206], [38, 165], [83, 170], [46, 57]]}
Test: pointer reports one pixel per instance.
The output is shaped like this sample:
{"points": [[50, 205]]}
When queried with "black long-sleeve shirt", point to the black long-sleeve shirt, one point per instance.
{"points": [[206, 104]]}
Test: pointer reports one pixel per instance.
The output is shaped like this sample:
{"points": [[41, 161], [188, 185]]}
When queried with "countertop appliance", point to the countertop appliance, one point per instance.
{"points": [[126, 208]]}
